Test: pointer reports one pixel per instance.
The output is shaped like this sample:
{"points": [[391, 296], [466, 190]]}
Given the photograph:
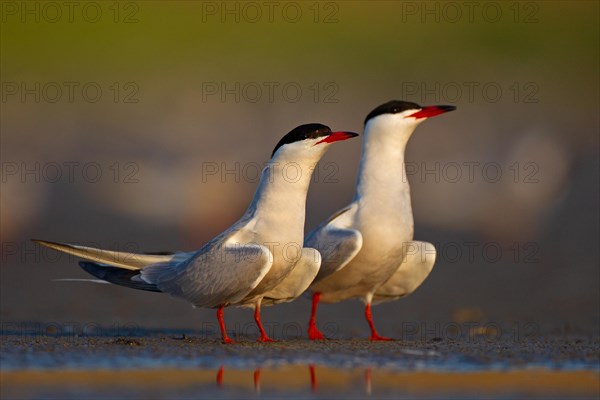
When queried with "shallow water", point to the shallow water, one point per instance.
{"points": [[151, 364]]}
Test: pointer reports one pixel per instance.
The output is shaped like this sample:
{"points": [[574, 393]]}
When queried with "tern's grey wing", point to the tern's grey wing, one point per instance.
{"points": [[337, 243], [297, 281], [220, 273], [413, 271]]}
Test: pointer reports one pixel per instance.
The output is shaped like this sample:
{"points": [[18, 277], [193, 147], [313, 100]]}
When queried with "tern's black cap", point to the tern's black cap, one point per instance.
{"points": [[392, 107], [302, 132]]}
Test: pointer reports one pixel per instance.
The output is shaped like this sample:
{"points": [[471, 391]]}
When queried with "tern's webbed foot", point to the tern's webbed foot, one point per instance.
{"points": [[315, 334], [377, 338], [265, 339]]}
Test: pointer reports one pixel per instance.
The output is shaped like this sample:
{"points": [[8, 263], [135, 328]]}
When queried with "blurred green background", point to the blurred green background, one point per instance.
{"points": [[150, 94]]}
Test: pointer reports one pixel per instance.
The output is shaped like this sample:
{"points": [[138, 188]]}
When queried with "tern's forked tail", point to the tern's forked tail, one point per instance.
{"points": [[120, 259]]}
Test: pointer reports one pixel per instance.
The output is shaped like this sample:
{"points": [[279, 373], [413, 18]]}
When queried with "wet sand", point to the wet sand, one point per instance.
{"points": [[184, 365]]}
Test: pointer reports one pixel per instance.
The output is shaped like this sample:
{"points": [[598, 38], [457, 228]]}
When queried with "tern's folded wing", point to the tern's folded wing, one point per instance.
{"points": [[297, 281], [221, 274], [337, 243], [413, 271]]}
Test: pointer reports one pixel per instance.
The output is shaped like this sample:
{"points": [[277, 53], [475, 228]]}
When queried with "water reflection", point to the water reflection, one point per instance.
{"points": [[257, 380], [312, 379], [220, 377], [322, 380], [294, 381]]}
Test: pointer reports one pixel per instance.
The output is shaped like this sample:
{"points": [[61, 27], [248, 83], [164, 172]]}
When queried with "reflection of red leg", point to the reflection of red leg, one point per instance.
{"points": [[368, 380], [220, 377], [263, 335], [313, 332], [226, 339], [369, 316], [313, 378], [257, 380]]}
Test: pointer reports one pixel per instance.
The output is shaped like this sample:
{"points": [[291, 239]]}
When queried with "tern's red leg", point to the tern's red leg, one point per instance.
{"points": [[369, 316], [263, 335], [226, 338], [313, 332]]}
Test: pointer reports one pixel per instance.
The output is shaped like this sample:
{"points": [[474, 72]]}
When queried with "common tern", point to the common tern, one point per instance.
{"points": [[261, 256], [365, 244]]}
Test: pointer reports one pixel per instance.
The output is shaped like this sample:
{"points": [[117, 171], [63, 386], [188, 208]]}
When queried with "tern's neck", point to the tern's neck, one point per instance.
{"points": [[280, 198], [382, 181]]}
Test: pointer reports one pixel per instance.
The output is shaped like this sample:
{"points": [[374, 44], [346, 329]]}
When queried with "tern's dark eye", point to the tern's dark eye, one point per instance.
{"points": [[316, 134]]}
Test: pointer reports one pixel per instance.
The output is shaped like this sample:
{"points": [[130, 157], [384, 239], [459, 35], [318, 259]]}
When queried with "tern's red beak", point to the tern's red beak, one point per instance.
{"points": [[336, 137], [431, 111]]}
